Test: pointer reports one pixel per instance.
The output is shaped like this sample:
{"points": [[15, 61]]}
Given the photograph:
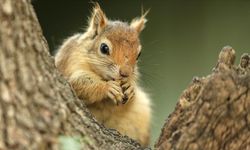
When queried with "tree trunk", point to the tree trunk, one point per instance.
{"points": [[36, 104], [213, 113]]}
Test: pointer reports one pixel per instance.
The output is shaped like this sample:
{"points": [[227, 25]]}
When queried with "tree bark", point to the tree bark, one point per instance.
{"points": [[37, 105], [213, 113]]}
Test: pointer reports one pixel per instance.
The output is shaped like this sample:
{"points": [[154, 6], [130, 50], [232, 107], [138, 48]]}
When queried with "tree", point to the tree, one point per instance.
{"points": [[214, 111], [37, 106]]}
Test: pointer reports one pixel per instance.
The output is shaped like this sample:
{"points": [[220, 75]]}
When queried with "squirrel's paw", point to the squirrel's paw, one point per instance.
{"points": [[115, 92], [128, 90]]}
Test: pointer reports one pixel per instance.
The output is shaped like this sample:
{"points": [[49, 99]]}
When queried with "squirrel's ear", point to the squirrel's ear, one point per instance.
{"points": [[139, 23], [97, 21]]}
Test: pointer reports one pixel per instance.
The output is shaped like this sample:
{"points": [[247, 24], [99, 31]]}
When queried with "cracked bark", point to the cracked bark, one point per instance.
{"points": [[37, 105], [213, 113]]}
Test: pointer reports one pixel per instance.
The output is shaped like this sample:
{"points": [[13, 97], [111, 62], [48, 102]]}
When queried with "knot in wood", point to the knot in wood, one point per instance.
{"points": [[227, 56]]}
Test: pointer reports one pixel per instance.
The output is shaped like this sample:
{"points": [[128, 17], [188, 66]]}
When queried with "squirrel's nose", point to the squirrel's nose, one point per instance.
{"points": [[124, 71]]}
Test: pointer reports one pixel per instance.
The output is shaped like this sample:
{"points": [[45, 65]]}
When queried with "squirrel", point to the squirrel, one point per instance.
{"points": [[101, 66]]}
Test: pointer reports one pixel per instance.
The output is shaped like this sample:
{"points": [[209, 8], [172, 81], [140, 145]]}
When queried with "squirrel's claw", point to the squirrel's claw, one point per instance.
{"points": [[125, 99], [128, 91], [115, 92]]}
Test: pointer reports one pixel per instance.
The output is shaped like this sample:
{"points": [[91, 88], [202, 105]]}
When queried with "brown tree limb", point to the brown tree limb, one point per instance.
{"points": [[36, 104], [213, 112]]}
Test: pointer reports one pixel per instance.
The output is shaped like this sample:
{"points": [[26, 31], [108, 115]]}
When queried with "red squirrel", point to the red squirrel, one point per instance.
{"points": [[101, 66]]}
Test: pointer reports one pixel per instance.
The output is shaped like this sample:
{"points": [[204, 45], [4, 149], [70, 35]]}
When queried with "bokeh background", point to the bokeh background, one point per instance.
{"points": [[181, 40]]}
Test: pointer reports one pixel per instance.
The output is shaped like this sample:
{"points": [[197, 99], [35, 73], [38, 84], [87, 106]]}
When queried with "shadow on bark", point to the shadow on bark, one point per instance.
{"points": [[37, 106]]}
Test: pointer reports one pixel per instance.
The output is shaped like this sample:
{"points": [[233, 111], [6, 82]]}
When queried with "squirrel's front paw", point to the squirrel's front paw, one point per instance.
{"points": [[128, 90], [115, 92]]}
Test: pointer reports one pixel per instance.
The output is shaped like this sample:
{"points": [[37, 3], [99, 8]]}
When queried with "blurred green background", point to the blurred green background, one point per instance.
{"points": [[181, 40]]}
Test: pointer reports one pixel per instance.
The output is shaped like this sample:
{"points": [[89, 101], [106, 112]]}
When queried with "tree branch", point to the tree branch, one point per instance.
{"points": [[214, 111], [37, 105]]}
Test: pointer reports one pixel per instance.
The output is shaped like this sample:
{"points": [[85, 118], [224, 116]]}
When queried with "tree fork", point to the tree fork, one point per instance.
{"points": [[37, 105]]}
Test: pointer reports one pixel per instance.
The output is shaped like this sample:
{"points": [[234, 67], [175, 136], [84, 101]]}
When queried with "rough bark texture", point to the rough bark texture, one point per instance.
{"points": [[213, 112], [36, 104]]}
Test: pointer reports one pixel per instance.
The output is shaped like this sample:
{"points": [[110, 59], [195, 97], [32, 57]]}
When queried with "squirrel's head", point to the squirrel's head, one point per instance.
{"points": [[113, 46]]}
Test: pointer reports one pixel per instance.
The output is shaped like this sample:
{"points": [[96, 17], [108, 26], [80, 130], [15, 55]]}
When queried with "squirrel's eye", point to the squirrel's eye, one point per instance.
{"points": [[104, 49], [138, 56]]}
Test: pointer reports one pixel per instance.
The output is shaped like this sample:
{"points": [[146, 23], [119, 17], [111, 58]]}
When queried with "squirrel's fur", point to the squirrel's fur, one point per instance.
{"points": [[107, 82]]}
